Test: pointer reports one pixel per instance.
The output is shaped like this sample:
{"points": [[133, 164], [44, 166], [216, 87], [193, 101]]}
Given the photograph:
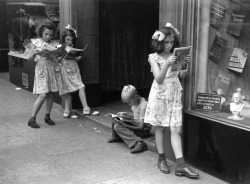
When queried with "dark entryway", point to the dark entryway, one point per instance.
{"points": [[126, 28]]}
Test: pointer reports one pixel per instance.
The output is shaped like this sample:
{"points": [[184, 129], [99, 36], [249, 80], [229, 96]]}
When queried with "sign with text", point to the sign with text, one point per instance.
{"points": [[208, 102]]}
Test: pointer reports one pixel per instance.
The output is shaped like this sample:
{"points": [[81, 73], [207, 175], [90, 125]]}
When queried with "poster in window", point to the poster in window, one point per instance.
{"points": [[217, 48], [217, 13], [237, 60], [236, 22]]}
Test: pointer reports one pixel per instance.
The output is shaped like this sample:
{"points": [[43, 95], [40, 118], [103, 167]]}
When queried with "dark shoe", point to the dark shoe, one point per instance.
{"points": [[139, 147], [114, 139], [186, 171], [49, 121], [162, 165], [33, 124]]}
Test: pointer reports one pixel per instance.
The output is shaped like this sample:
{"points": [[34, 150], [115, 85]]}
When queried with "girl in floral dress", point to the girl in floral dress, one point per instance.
{"points": [[71, 78], [47, 76], [164, 107]]}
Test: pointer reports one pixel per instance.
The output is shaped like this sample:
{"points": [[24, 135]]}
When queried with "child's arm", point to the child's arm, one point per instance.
{"points": [[32, 54], [183, 74], [160, 74]]}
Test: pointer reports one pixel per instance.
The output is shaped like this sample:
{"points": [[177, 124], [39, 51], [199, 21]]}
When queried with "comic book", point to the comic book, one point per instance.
{"points": [[222, 81], [217, 49], [236, 22], [181, 53], [237, 60], [217, 13], [122, 117]]}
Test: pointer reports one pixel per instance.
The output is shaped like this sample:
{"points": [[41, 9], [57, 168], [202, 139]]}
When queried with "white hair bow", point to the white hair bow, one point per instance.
{"points": [[158, 35], [171, 26], [70, 28]]}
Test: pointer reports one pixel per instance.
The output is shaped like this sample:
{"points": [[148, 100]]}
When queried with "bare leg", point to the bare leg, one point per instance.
{"points": [[49, 102], [176, 141], [159, 138], [38, 104], [82, 96], [68, 103]]}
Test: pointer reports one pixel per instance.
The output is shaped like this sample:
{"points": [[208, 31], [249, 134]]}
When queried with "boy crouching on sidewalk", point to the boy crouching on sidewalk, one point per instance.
{"points": [[131, 132]]}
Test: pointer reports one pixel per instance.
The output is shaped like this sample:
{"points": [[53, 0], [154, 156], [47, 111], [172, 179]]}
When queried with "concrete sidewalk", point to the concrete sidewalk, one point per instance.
{"points": [[71, 152]]}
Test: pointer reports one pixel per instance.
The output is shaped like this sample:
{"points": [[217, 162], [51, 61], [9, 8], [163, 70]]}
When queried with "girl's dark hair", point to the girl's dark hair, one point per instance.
{"points": [[46, 25], [68, 32], [158, 46]]}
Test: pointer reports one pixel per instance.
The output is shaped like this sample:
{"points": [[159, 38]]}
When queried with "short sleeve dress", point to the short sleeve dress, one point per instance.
{"points": [[47, 71], [71, 77], [164, 106]]}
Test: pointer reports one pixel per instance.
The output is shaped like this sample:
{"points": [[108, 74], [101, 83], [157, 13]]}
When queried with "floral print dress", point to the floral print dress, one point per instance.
{"points": [[47, 71], [71, 78], [164, 103]]}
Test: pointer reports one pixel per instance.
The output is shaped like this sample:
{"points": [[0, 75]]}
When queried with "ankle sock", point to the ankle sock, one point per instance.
{"points": [[162, 156], [47, 116], [181, 162], [33, 118]]}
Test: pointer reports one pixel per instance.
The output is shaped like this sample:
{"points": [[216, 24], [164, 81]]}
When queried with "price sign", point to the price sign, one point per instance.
{"points": [[208, 102]]}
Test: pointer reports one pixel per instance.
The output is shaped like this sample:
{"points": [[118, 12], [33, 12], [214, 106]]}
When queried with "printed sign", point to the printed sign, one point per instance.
{"points": [[208, 102], [25, 80]]}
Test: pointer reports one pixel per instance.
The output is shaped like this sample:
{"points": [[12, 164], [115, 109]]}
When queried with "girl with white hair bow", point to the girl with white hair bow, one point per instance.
{"points": [[164, 107]]}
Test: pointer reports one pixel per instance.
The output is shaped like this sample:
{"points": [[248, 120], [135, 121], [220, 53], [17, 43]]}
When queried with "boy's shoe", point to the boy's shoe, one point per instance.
{"points": [[33, 124], [162, 165], [69, 115], [186, 171], [49, 121], [139, 147], [114, 139]]}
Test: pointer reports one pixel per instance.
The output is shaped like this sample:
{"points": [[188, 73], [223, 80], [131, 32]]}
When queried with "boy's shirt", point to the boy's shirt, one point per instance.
{"points": [[140, 109]]}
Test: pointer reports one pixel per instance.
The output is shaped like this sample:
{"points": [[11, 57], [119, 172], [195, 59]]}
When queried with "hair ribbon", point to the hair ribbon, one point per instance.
{"points": [[158, 35], [70, 28], [172, 27]]}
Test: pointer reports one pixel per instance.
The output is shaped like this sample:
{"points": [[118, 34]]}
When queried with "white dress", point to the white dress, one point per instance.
{"points": [[47, 71], [165, 101]]}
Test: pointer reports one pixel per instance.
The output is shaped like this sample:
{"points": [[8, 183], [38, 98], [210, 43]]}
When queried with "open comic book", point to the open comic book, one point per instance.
{"points": [[75, 51], [181, 63], [122, 118], [18, 54]]}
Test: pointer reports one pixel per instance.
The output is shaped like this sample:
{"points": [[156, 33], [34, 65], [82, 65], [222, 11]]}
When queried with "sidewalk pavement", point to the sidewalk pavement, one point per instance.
{"points": [[74, 151]]}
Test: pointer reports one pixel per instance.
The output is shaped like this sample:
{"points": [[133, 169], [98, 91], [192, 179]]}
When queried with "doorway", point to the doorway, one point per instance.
{"points": [[126, 28]]}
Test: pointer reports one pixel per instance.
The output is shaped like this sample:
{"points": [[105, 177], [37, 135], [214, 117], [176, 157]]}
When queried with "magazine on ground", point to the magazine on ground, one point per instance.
{"points": [[181, 63]]}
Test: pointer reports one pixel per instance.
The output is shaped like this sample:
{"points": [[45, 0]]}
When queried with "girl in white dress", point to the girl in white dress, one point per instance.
{"points": [[47, 76], [164, 107], [71, 77]]}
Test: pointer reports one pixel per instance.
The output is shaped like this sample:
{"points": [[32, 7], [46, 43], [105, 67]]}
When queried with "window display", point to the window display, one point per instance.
{"points": [[227, 68]]}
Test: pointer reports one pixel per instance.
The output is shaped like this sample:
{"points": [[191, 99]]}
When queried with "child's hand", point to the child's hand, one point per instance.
{"points": [[78, 58], [171, 60], [188, 58]]}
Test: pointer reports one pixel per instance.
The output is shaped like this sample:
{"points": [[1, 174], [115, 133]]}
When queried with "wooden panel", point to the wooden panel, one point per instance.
{"points": [[3, 37]]}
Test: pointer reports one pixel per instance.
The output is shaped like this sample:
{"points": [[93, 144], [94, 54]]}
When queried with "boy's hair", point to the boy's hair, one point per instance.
{"points": [[46, 25], [128, 92], [158, 46], [68, 32]]}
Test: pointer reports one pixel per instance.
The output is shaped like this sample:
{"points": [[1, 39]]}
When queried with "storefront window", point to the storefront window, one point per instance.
{"points": [[222, 71]]}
